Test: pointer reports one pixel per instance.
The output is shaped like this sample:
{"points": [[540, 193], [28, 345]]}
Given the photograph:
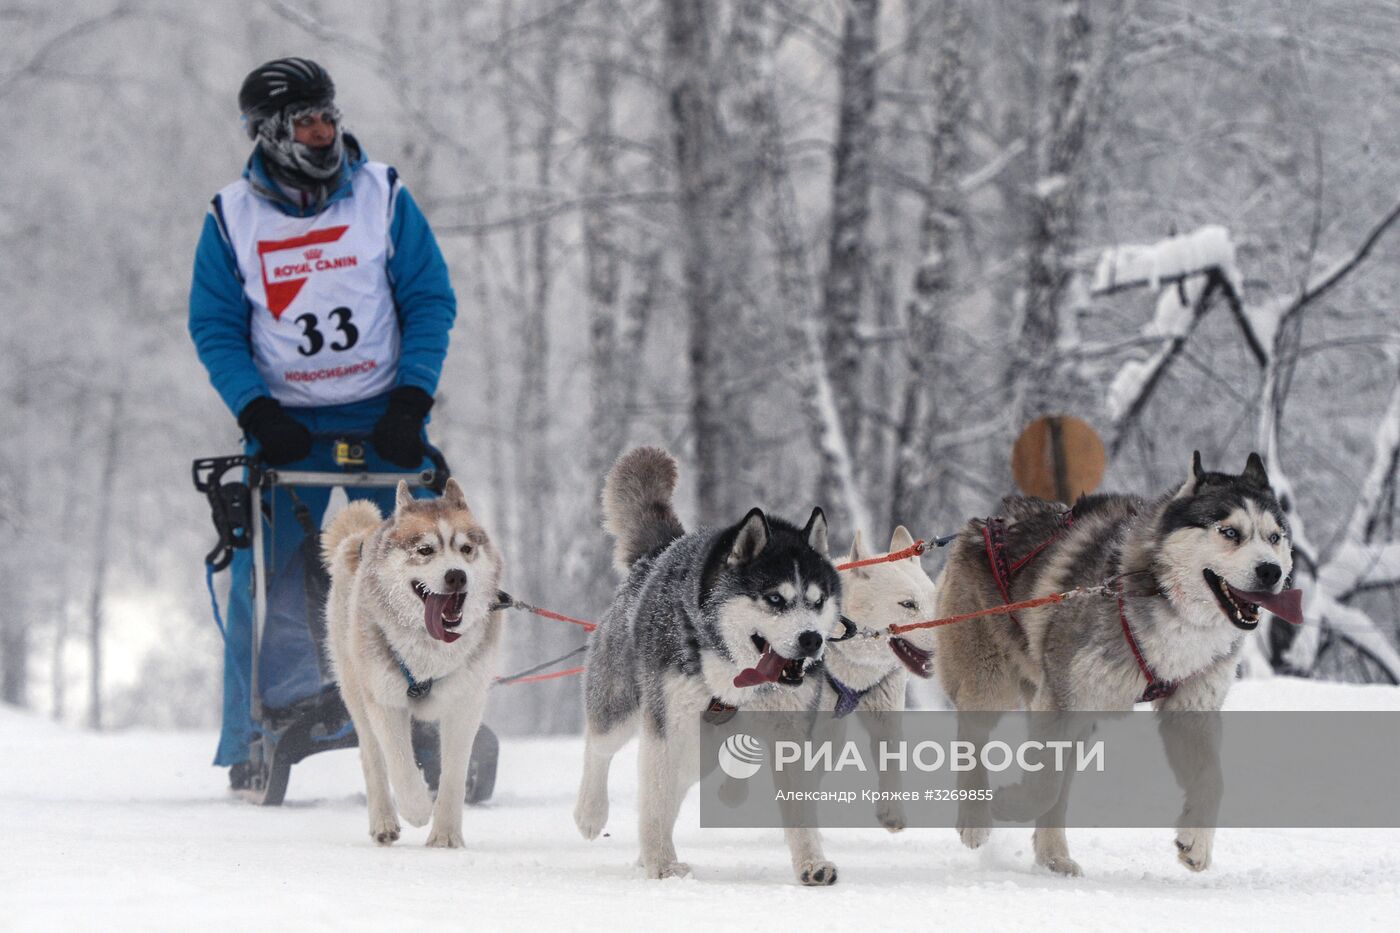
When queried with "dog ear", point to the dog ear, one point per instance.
{"points": [[1188, 488], [858, 552], [815, 532], [453, 496], [751, 539], [902, 539], [1254, 472], [402, 497]]}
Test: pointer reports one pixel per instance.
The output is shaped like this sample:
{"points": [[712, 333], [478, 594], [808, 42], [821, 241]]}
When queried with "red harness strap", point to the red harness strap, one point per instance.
{"points": [[1156, 689], [1066, 522], [994, 538]]}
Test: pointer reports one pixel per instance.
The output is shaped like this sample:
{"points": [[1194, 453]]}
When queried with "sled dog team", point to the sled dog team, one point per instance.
{"points": [[744, 617]]}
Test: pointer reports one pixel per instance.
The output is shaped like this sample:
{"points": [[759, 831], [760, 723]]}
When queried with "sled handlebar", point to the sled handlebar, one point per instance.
{"points": [[434, 477], [230, 501]]}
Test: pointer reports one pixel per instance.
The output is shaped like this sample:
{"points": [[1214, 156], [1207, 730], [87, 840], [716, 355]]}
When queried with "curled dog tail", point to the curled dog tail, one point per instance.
{"points": [[637, 508], [340, 542]]}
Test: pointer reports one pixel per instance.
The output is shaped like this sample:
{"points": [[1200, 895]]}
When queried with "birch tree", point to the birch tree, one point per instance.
{"points": [[537, 557], [848, 249], [920, 419], [715, 258], [1055, 205]]}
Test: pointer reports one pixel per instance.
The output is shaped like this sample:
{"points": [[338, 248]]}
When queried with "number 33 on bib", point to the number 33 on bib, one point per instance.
{"points": [[324, 329]]}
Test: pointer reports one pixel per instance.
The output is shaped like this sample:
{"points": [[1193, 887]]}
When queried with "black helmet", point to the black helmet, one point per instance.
{"points": [[271, 88]]}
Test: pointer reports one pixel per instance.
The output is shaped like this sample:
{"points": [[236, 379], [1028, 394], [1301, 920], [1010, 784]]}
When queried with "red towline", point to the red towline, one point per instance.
{"points": [[914, 550]]}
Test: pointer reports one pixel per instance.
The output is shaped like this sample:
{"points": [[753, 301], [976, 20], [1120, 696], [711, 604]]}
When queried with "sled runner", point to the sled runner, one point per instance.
{"points": [[294, 705]]}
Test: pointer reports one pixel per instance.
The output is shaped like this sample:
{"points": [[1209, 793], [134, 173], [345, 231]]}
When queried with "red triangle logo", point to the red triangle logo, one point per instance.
{"points": [[288, 267]]}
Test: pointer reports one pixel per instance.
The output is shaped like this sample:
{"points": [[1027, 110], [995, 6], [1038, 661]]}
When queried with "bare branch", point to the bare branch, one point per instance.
{"points": [[549, 211], [36, 63]]}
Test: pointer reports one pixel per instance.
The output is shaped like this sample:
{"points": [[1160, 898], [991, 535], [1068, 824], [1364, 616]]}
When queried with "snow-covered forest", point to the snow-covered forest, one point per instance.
{"points": [[832, 253]]}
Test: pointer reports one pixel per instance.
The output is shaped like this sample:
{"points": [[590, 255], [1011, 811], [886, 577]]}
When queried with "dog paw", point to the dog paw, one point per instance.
{"points": [[1063, 865], [668, 870], [974, 823], [817, 873], [891, 816], [444, 838], [974, 836], [1052, 851], [384, 830], [590, 817], [1193, 848], [416, 808]]}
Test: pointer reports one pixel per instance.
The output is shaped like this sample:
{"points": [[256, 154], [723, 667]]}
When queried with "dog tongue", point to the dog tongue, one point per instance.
{"points": [[769, 667], [1287, 605], [433, 608]]}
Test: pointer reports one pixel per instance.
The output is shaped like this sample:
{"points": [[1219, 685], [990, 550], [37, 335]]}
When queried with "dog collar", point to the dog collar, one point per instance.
{"points": [[417, 689], [719, 712], [847, 698]]}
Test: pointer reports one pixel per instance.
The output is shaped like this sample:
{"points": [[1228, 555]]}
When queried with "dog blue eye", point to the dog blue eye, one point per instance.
{"points": [[1275, 538], [774, 600], [1230, 533], [909, 604]]}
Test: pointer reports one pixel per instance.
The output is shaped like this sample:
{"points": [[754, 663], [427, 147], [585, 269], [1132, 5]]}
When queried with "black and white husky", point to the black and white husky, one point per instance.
{"points": [[710, 620], [1192, 570]]}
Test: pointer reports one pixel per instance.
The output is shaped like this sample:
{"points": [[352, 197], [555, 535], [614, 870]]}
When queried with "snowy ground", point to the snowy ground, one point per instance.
{"points": [[135, 831]]}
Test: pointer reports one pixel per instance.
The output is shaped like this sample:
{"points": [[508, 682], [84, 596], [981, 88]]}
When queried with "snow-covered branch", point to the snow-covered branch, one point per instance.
{"points": [[1167, 261], [1354, 627], [1382, 473], [1179, 310]]}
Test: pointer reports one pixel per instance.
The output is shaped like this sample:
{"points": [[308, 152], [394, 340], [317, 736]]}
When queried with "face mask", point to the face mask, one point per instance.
{"points": [[318, 163]]}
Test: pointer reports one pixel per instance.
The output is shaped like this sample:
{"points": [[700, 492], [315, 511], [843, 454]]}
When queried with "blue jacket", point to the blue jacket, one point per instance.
{"points": [[220, 312]]}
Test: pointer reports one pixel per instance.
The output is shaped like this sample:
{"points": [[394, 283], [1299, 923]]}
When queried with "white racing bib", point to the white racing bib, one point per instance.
{"points": [[324, 329]]}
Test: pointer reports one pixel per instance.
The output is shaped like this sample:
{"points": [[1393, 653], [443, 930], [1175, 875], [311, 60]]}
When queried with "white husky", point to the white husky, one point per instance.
{"points": [[869, 676], [411, 634]]}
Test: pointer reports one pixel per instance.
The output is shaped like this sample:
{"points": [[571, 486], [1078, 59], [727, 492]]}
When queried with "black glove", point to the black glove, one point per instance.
{"points": [[398, 435], [283, 438]]}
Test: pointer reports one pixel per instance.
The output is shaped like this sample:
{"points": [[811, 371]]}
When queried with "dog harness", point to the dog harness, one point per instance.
{"points": [[847, 698], [994, 539], [1156, 689]]}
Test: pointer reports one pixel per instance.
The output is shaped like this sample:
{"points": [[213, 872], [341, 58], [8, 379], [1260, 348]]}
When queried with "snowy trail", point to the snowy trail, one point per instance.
{"points": [[135, 831]]}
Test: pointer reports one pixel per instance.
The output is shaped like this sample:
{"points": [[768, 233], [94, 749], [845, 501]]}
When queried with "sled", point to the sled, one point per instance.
{"points": [[295, 706]]}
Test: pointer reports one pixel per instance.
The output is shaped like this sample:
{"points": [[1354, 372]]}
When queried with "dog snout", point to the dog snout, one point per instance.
{"points": [[455, 580], [809, 643], [1268, 573]]}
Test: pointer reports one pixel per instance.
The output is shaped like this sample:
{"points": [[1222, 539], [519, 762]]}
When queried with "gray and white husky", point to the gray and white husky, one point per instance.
{"points": [[1194, 567], [411, 635], [869, 676], [710, 620]]}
